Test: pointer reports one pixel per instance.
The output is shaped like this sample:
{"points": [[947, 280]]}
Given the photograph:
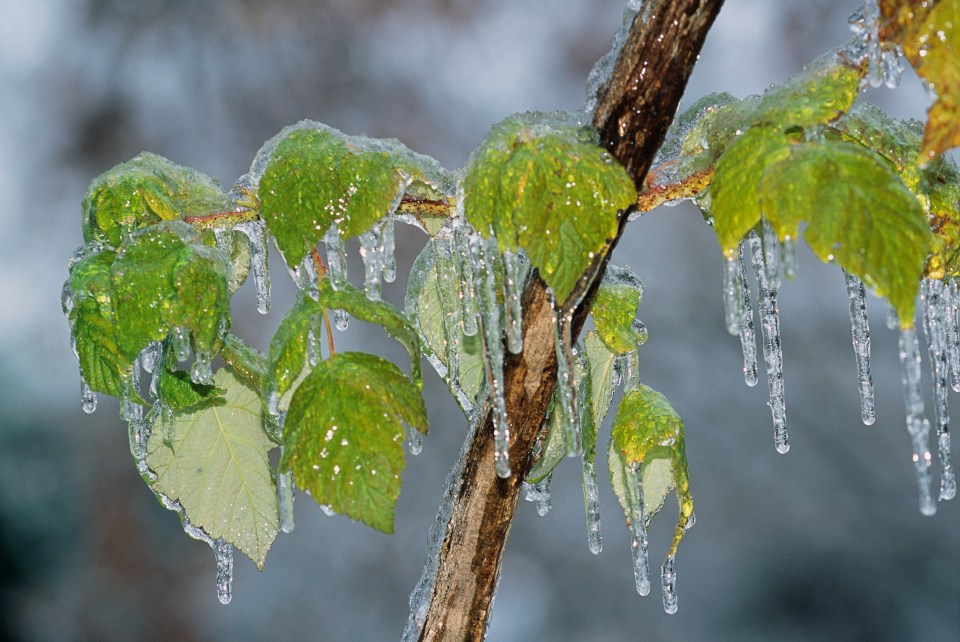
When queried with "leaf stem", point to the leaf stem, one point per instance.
{"points": [[321, 271]]}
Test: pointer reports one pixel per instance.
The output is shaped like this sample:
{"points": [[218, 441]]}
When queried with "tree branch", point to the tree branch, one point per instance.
{"points": [[635, 109]]}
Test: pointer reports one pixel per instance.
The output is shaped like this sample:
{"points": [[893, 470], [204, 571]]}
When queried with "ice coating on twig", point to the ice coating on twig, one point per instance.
{"points": [[772, 353], [512, 291], [224, 554], [482, 253], [539, 494], [917, 425], [566, 380], [285, 493], [256, 234], [602, 69], [934, 304], [860, 329], [591, 500], [668, 578]]}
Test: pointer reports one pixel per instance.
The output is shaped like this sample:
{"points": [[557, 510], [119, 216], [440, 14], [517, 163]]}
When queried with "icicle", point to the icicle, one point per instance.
{"points": [[512, 289], [591, 500], [953, 333], [539, 493], [180, 343], [891, 67], [891, 318], [285, 493], [566, 381], [254, 231], [151, 356], [66, 298], [788, 257], [668, 577], [638, 530], [414, 441], [731, 294], [336, 257], [628, 370], [464, 267], [388, 247], [372, 254], [748, 341], [224, 553], [305, 276], [447, 288], [935, 303], [917, 424], [772, 354], [88, 398], [482, 253], [315, 341], [771, 255], [202, 371], [860, 328]]}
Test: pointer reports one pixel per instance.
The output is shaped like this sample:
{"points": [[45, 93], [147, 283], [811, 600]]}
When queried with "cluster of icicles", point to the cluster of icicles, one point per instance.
{"points": [[940, 309]]}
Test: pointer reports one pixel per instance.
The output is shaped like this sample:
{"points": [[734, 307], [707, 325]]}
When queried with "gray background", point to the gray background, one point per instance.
{"points": [[826, 541]]}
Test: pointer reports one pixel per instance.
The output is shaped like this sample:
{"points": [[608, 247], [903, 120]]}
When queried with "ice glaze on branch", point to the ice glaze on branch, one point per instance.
{"points": [[634, 110]]}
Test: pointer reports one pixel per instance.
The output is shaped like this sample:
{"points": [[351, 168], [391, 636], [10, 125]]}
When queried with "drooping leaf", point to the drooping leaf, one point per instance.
{"points": [[214, 460], [180, 393], [143, 191], [602, 363], [857, 211], [615, 307], [163, 278], [929, 33], [736, 199], [343, 437], [542, 185], [553, 448], [656, 475], [423, 306], [645, 419]]}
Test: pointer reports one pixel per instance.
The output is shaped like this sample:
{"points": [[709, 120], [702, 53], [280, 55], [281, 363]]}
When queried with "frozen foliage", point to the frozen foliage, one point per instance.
{"points": [[884, 64], [539, 494], [860, 329]]}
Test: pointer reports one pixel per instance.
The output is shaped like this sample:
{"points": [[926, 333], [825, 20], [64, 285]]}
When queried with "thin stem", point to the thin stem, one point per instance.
{"points": [[321, 271]]}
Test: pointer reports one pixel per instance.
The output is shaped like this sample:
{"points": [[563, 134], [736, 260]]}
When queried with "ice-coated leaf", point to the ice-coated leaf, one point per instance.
{"points": [[615, 308], [929, 33], [553, 449], [143, 191], [316, 178], [857, 211], [343, 437], [541, 184], [215, 462], [602, 363], [736, 200], [896, 140], [656, 474], [645, 419], [288, 348], [164, 278], [423, 305], [180, 393], [940, 182]]}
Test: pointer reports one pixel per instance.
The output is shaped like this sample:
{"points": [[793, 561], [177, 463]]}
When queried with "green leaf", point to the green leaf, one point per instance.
{"points": [[645, 419], [601, 363], [541, 184], [143, 191], [736, 201], [343, 437], [858, 212], [214, 461], [553, 447], [317, 177], [940, 183], [656, 475], [423, 305], [163, 278], [179, 393], [615, 308], [897, 141]]}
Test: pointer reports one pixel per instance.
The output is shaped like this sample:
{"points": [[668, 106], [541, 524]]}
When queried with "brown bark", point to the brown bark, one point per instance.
{"points": [[635, 109]]}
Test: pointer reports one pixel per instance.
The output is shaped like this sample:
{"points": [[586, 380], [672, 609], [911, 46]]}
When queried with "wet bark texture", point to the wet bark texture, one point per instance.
{"points": [[634, 110]]}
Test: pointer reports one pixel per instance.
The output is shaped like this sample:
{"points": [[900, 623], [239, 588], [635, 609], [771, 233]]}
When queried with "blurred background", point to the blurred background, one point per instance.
{"points": [[824, 542]]}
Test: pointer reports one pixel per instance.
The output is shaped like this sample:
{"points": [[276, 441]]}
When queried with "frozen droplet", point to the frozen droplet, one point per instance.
{"points": [[336, 257], [285, 493], [539, 494], [88, 398], [372, 254], [591, 500], [305, 276], [414, 441], [860, 329], [388, 246], [748, 340], [512, 291], [917, 425], [638, 529], [66, 298], [180, 343], [891, 319], [341, 319], [151, 356], [772, 353], [255, 233], [668, 578], [202, 372], [566, 381], [640, 328], [891, 67], [629, 370], [273, 402], [788, 257], [224, 555]]}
